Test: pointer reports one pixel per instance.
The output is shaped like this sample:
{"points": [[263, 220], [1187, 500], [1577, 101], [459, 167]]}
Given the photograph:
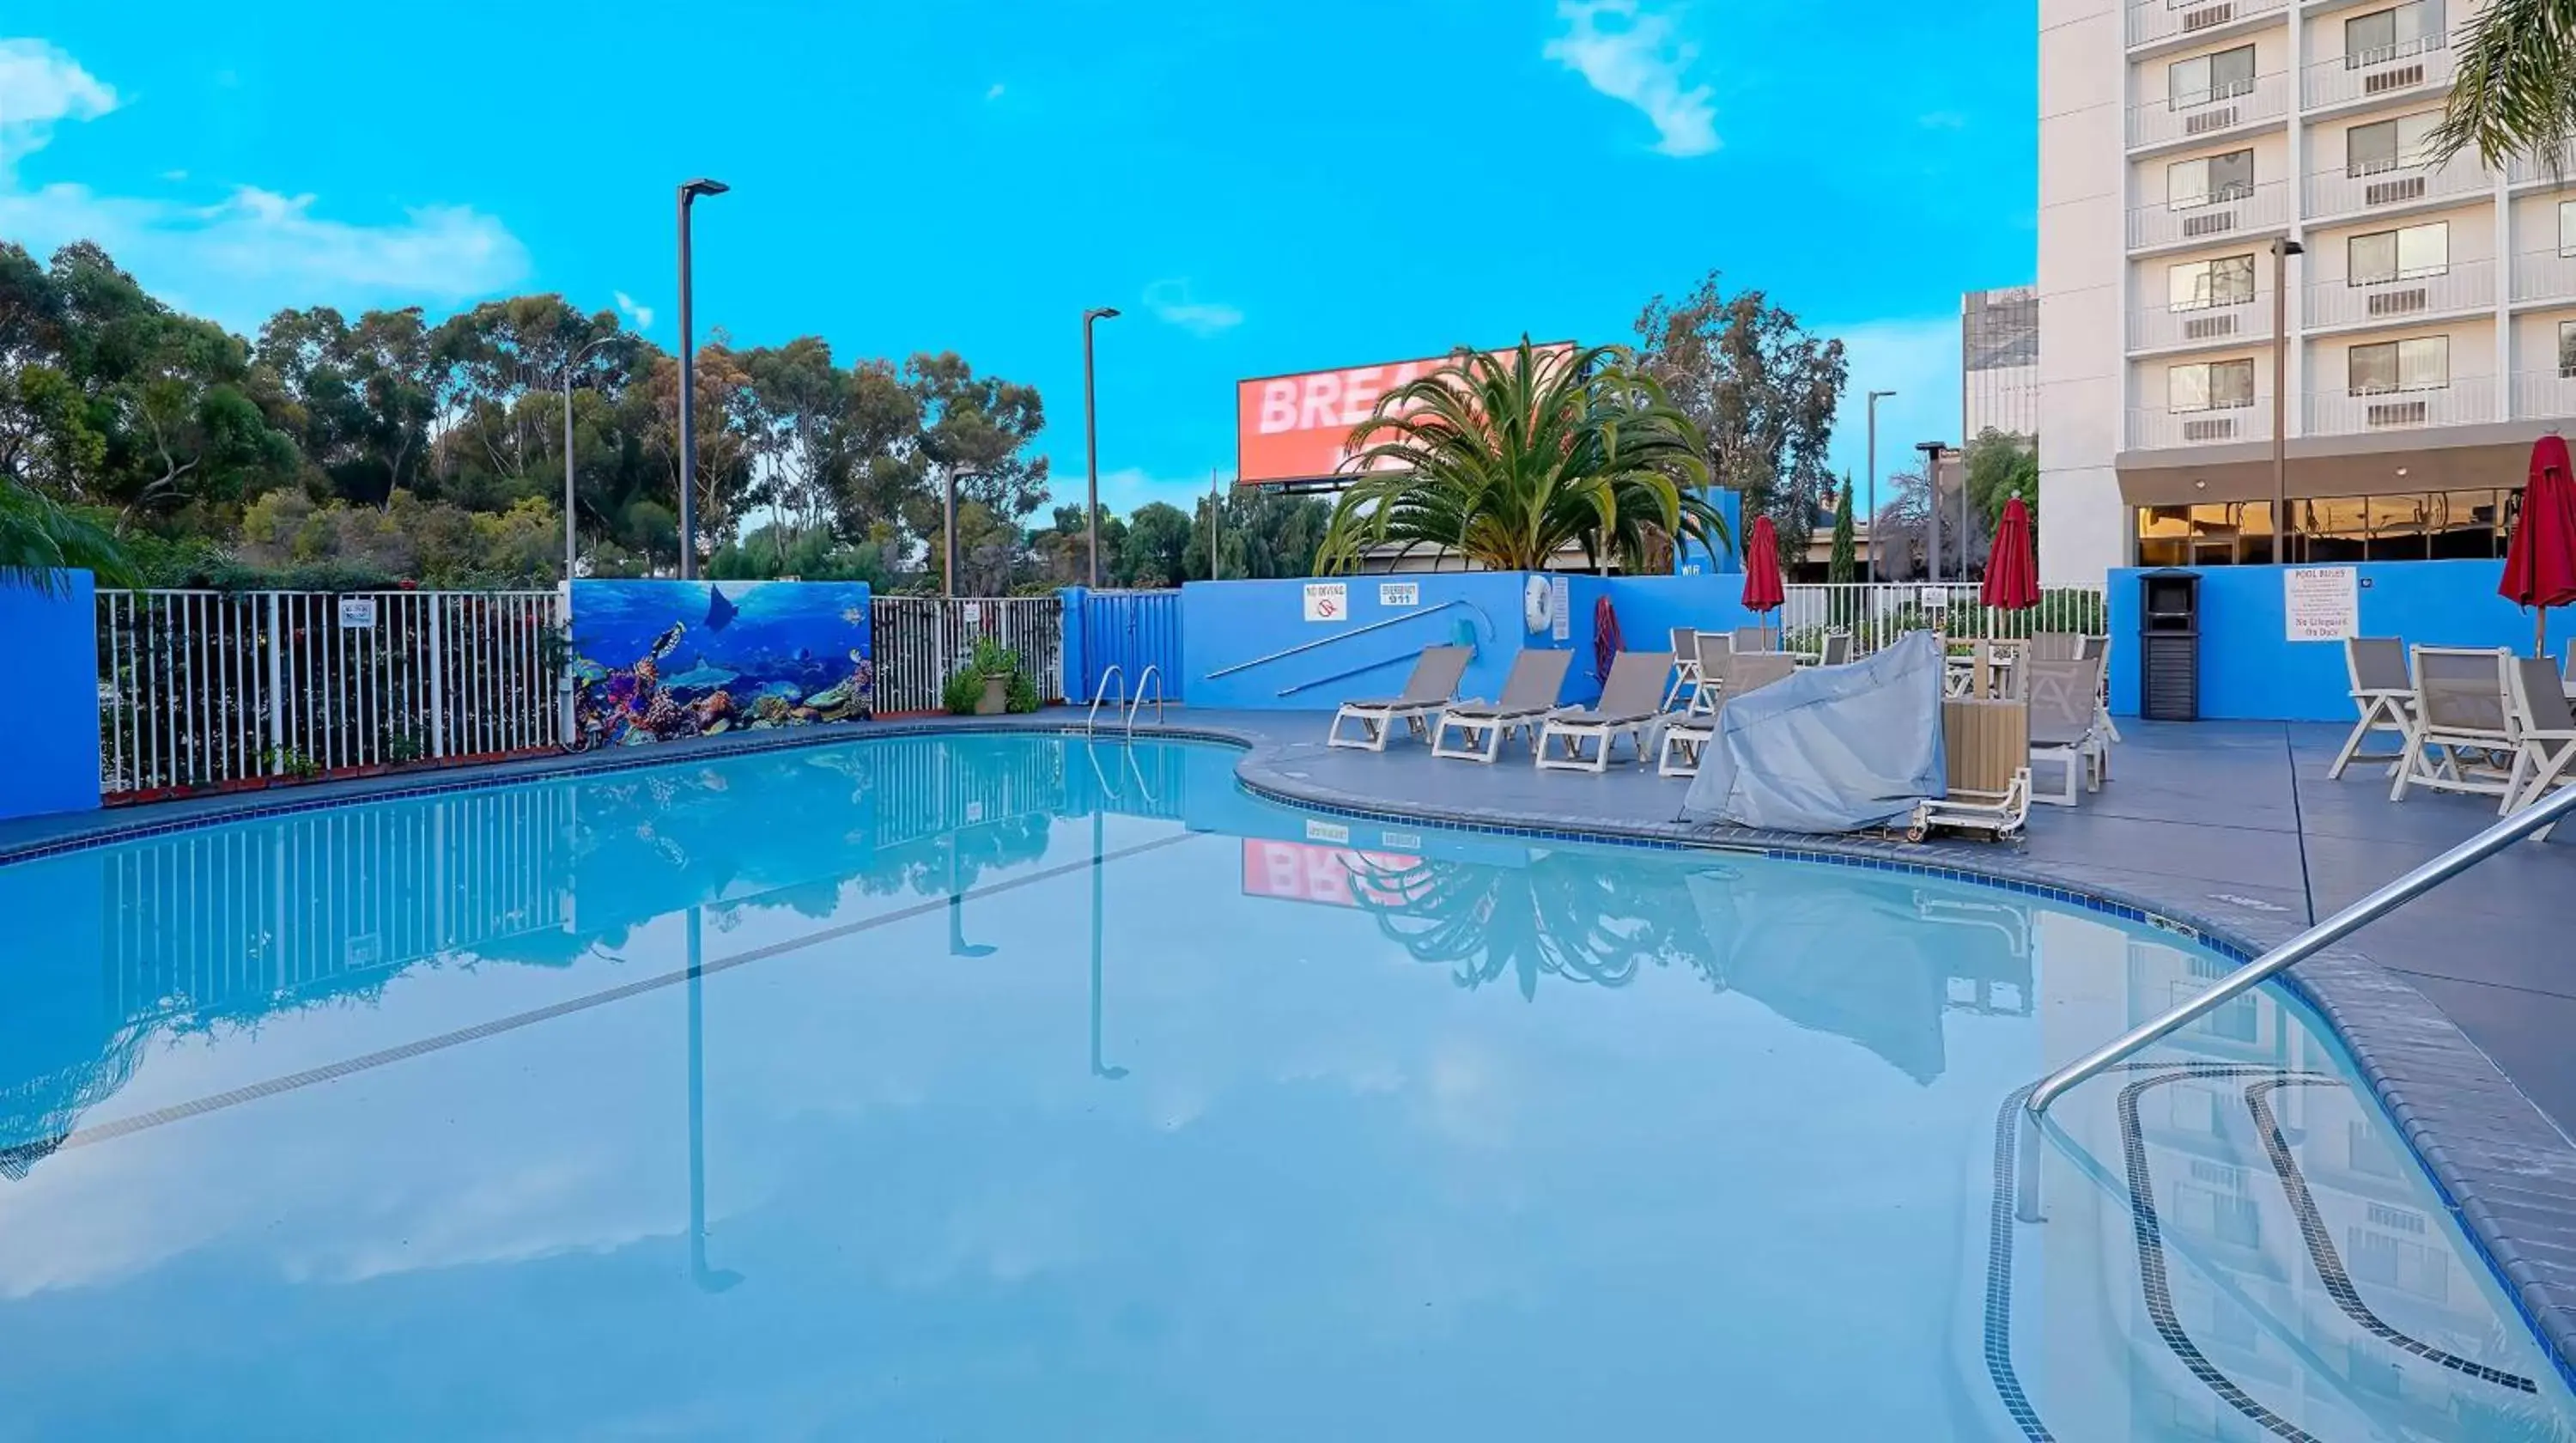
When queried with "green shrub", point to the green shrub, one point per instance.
{"points": [[964, 690], [1024, 692]]}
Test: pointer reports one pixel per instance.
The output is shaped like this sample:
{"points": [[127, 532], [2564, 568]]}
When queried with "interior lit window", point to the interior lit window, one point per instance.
{"points": [[2198, 285]]}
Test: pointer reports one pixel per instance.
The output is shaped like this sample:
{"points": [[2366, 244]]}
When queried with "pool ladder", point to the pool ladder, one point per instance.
{"points": [[2531, 821], [1152, 680]]}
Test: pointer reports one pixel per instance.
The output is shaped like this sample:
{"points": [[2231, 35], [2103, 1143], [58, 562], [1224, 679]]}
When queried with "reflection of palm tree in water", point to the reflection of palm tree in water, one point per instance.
{"points": [[1563, 915], [37, 1116]]}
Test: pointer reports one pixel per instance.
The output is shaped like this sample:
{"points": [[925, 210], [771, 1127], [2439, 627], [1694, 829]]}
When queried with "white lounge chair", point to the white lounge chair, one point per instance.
{"points": [[1433, 685], [2460, 723], [2544, 729], [1753, 638], [1685, 737], [1715, 653], [1627, 708], [2382, 692], [1529, 698], [1685, 667], [1986, 747], [2065, 697]]}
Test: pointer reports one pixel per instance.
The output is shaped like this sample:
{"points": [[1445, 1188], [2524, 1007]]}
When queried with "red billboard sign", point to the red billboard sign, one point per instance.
{"points": [[1332, 876], [1298, 427]]}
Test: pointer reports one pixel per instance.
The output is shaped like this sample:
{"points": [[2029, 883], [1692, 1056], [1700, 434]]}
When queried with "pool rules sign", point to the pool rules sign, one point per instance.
{"points": [[2321, 603]]}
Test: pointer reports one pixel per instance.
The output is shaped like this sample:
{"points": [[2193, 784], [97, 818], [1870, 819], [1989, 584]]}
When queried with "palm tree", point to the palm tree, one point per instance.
{"points": [[39, 540], [1505, 459], [2515, 91]]}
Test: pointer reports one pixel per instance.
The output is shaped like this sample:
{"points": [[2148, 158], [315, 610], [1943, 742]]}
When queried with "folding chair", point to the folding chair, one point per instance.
{"points": [[2064, 696], [2544, 728], [2460, 723], [1685, 667], [1427, 693], [2382, 692], [1716, 658]]}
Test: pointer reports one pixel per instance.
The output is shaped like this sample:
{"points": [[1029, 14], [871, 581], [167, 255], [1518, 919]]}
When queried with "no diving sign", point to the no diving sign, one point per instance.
{"points": [[1327, 600]]}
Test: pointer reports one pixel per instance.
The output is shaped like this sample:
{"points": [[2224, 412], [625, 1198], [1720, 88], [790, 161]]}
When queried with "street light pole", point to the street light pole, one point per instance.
{"points": [[1932, 512], [689, 192], [1874, 398], [2282, 249], [1091, 443]]}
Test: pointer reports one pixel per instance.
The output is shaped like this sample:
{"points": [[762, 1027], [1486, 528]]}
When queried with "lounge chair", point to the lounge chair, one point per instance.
{"points": [[1986, 747], [1685, 736], [2382, 692], [2460, 723], [1529, 698], [1627, 708], [2065, 697], [2544, 729], [1685, 667], [1837, 650], [2057, 646], [1433, 685], [2098, 648], [1716, 658], [1753, 638]]}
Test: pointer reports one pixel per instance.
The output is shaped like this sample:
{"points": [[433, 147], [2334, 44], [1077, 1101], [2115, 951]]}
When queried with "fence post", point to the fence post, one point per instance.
{"points": [[437, 676]]}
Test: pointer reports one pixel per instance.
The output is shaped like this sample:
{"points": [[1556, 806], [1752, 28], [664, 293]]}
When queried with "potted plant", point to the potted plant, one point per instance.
{"points": [[990, 683]]}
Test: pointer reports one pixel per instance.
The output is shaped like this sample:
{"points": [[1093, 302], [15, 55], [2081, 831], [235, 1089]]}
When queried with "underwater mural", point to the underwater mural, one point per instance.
{"points": [[658, 660]]}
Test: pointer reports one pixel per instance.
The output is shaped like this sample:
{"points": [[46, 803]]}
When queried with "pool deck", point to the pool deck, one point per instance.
{"points": [[2460, 1009]]}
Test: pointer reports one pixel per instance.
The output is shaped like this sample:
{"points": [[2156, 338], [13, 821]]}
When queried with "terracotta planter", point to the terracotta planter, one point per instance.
{"points": [[997, 696]]}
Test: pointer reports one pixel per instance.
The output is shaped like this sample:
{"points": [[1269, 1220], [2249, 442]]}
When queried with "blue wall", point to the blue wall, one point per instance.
{"points": [[1728, 561], [2250, 671], [52, 764]]}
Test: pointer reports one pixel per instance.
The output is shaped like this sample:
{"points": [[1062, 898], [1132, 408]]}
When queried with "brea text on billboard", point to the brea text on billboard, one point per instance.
{"points": [[1298, 427]]}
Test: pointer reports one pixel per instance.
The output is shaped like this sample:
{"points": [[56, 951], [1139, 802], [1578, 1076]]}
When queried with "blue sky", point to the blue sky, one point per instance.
{"points": [[1261, 188]]}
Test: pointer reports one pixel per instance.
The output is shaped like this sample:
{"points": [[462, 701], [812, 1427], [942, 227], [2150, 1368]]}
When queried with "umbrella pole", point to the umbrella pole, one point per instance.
{"points": [[2540, 632]]}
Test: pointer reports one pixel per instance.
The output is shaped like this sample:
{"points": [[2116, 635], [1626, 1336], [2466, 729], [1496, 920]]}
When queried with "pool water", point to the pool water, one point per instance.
{"points": [[1017, 1087]]}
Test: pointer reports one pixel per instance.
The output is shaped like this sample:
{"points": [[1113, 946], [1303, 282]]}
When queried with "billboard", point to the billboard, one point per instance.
{"points": [[1329, 876], [1298, 427]]}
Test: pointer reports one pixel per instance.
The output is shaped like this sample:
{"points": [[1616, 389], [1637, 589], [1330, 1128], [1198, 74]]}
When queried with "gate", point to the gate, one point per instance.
{"points": [[921, 641], [210, 689], [1130, 630]]}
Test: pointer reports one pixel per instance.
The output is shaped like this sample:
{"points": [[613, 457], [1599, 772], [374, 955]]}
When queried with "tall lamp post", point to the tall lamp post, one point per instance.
{"points": [[1874, 398], [1932, 513], [948, 524], [689, 193], [1091, 442], [2282, 249], [572, 550]]}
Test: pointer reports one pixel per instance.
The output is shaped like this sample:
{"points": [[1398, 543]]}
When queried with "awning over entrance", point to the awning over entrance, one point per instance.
{"points": [[2453, 458]]}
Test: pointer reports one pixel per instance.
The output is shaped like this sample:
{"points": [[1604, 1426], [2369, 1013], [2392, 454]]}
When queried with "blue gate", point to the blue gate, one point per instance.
{"points": [[1130, 630]]}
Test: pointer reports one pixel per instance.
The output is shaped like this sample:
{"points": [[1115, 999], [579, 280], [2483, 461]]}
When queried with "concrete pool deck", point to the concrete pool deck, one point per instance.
{"points": [[2460, 1009]]}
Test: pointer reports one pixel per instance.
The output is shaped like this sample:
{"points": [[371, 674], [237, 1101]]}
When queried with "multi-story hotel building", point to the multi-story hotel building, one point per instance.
{"points": [[1999, 362], [2190, 152]]}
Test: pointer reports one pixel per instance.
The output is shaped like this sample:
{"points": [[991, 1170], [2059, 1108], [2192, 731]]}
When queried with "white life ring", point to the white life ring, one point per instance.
{"points": [[1538, 605]]}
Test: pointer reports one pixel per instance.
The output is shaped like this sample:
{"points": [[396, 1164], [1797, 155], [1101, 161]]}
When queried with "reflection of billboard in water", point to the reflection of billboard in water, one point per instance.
{"points": [[1331, 876], [1298, 427], [656, 660]]}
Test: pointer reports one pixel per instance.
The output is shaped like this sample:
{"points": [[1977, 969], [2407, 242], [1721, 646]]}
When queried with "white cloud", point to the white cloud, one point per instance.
{"points": [[995, 93], [642, 316], [40, 87], [240, 259], [1172, 303], [1918, 359], [1637, 60]]}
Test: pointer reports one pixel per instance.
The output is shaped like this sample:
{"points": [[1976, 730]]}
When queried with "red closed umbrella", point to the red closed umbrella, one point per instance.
{"points": [[1762, 591], [2012, 566], [1606, 641], [2540, 559]]}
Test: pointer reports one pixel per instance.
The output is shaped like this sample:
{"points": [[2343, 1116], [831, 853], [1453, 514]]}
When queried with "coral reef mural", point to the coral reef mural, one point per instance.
{"points": [[657, 660]]}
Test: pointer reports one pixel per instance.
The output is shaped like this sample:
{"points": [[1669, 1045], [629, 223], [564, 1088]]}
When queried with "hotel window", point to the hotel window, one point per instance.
{"points": [[2205, 78], [2209, 386], [2389, 144], [2198, 285], [2389, 34], [2210, 179], [2396, 255], [2419, 363]]}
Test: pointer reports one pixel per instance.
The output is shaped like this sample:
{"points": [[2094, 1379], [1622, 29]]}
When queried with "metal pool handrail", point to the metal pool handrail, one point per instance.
{"points": [[1343, 636], [1091, 720], [2307, 944], [1153, 678]]}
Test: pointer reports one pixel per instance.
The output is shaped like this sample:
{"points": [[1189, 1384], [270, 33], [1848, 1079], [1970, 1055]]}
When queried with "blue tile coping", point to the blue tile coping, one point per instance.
{"points": [[2500, 1164]]}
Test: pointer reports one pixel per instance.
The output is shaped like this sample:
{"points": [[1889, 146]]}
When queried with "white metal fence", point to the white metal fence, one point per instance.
{"points": [[1877, 614], [921, 641], [206, 688]]}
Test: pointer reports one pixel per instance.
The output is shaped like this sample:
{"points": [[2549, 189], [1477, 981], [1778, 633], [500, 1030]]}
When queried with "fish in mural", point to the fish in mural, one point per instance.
{"points": [[720, 612]]}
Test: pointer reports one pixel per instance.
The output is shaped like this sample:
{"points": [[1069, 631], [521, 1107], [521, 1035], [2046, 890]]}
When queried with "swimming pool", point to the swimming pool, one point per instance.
{"points": [[1019, 1087]]}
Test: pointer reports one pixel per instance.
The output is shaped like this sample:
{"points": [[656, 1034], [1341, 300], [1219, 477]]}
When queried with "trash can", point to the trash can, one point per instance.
{"points": [[2169, 646]]}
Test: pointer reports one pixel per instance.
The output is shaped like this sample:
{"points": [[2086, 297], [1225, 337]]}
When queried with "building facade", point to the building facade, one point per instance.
{"points": [[1999, 362], [2219, 172]]}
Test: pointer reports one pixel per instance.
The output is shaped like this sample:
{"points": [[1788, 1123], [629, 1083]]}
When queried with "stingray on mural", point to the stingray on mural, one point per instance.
{"points": [[655, 660]]}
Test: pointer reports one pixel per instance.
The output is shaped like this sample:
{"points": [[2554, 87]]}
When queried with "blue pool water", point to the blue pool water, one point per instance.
{"points": [[1019, 1088]]}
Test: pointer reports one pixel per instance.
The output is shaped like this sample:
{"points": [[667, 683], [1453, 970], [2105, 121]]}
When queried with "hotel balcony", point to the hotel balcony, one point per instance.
{"points": [[2264, 99], [2548, 275], [2544, 396], [2544, 168], [2467, 400], [2164, 328], [2253, 211], [2154, 20], [2349, 192], [2466, 286], [2156, 429], [2417, 65]]}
